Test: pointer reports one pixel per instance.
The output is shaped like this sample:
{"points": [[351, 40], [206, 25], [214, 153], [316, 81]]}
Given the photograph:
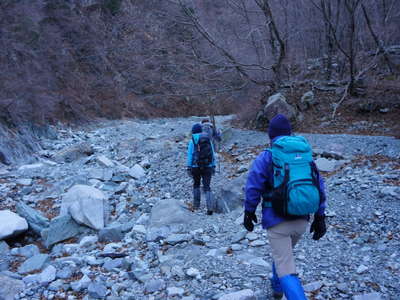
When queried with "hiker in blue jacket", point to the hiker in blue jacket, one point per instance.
{"points": [[201, 166], [283, 231]]}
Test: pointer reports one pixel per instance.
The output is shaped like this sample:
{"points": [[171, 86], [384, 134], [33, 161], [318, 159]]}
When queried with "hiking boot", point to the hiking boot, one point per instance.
{"points": [[292, 288], [277, 291], [196, 198], [209, 212]]}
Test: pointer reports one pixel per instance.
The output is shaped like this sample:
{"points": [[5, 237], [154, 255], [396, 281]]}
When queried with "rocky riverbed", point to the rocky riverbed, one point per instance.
{"points": [[105, 214]]}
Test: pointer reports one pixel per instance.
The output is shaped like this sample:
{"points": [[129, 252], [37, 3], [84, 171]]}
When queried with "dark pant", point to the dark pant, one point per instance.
{"points": [[203, 175]]}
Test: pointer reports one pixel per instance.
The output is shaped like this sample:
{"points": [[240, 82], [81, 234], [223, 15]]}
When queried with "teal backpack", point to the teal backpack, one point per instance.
{"points": [[295, 187]]}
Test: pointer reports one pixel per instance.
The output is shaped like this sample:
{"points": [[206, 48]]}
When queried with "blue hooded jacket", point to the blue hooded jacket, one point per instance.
{"points": [[190, 151], [259, 175]]}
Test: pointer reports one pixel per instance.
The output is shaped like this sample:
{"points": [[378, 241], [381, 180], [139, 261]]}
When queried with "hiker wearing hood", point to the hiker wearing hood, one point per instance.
{"points": [[286, 180], [201, 166]]}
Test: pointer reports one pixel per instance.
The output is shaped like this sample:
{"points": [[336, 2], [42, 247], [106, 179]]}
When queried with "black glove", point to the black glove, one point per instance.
{"points": [[189, 171], [318, 226], [249, 218]]}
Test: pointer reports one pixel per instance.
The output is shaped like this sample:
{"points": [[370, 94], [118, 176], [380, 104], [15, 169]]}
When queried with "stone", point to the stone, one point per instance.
{"points": [[176, 238], [325, 165], [36, 221], [101, 174], [81, 284], [154, 285], [175, 291], [313, 286], [240, 235], [277, 104], [11, 224], [308, 100], [34, 263], [252, 236], [192, 272], [370, 296], [361, 269], [232, 195], [10, 287], [240, 295], [111, 234], [88, 241], [258, 261], [167, 212], [86, 205], [258, 243], [137, 172], [139, 229], [61, 228], [4, 248], [117, 263], [24, 181], [47, 275], [104, 161], [74, 152], [26, 251], [97, 290]]}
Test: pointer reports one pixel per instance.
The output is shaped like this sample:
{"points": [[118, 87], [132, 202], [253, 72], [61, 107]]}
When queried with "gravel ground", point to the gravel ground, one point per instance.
{"points": [[206, 257]]}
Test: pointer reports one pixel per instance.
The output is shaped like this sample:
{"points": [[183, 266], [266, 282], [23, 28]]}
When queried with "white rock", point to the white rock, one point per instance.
{"points": [[325, 165], [258, 261], [48, 275], [86, 205], [370, 296], [11, 224], [24, 181], [258, 243], [30, 167], [313, 286], [240, 295], [175, 291], [361, 269], [104, 161], [139, 229], [137, 172], [251, 236], [88, 240], [192, 272]]}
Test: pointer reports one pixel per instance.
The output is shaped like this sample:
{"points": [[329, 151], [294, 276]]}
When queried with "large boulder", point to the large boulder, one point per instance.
{"points": [[36, 221], [86, 205], [277, 104], [10, 287], [169, 212], [74, 152], [231, 195], [11, 224], [61, 228], [308, 100]]}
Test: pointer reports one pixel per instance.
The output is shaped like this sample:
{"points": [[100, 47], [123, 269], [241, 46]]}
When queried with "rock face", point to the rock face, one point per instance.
{"points": [[10, 287], [277, 104], [11, 224], [86, 205]]}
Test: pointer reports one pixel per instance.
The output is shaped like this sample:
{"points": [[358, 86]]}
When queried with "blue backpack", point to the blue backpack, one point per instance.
{"points": [[295, 187]]}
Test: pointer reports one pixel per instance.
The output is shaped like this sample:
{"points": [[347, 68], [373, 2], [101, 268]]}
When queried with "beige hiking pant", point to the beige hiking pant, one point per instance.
{"points": [[282, 238]]}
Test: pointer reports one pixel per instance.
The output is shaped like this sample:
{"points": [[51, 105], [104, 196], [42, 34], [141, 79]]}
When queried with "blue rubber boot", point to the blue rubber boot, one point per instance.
{"points": [[277, 291], [292, 288]]}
